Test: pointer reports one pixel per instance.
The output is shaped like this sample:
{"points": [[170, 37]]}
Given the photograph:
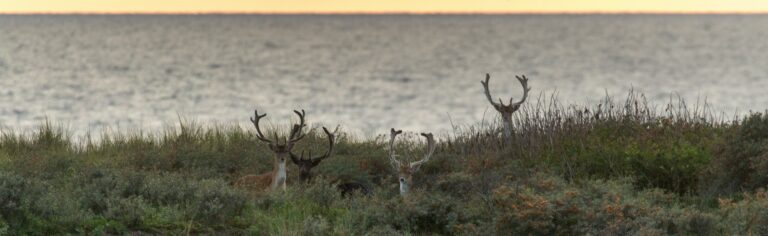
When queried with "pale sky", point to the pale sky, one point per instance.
{"points": [[381, 6]]}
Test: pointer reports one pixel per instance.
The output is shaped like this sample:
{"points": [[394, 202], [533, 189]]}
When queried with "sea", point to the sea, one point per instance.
{"points": [[366, 73]]}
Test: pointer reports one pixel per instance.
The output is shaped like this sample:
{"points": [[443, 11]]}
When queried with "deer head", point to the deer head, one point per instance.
{"points": [[306, 164], [405, 170], [281, 151], [506, 110]]}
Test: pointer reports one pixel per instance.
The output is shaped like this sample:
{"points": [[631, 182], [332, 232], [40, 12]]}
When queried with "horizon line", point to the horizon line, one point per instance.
{"points": [[388, 13]]}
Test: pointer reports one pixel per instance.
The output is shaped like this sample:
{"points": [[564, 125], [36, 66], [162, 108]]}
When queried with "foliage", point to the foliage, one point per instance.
{"points": [[610, 169], [544, 205], [742, 161]]}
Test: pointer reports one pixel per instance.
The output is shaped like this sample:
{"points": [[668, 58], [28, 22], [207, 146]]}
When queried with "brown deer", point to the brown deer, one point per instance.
{"points": [[306, 164], [507, 110], [405, 171], [272, 180]]}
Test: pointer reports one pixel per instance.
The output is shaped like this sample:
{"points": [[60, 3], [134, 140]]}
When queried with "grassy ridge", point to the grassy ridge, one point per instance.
{"points": [[613, 168]]}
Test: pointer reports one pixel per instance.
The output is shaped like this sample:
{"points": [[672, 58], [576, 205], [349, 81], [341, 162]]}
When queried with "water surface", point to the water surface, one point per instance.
{"points": [[368, 73]]}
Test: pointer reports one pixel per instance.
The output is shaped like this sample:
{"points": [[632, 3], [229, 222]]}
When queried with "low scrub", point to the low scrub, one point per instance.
{"points": [[610, 169], [741, 161]]}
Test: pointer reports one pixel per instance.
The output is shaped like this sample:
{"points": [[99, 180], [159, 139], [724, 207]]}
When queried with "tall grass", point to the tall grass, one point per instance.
{"points": [[623, 167], [659, 146]]}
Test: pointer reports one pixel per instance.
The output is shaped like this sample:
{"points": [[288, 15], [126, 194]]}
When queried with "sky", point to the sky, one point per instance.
{"points": [[383, 6]]}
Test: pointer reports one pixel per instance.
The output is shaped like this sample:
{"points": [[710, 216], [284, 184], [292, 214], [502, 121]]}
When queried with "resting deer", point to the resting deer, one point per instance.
{"points": [[306, 164], [405, 171], [275, 178], [507, 110]]}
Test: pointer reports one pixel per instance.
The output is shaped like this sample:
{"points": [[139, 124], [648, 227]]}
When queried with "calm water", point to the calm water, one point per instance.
{"points": [[367, 73]]}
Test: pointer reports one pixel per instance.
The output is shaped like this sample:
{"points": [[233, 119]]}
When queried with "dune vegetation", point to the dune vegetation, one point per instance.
{"points": [[614, 168]]}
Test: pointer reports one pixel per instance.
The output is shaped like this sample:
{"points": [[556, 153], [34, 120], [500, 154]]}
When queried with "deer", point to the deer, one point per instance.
{"points": [[306, 164], [507, 110], [276, 178], [406, 170]]}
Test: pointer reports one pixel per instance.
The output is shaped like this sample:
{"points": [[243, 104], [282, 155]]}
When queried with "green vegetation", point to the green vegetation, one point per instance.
{"points": [[611, 169]]}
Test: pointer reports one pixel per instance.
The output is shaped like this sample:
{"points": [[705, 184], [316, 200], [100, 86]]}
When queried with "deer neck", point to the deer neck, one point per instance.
{"points": [[404, 185], [507, 118], [279, 173]]}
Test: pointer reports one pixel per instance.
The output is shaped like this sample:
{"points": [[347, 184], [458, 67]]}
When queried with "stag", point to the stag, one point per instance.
{"points": [[273, 179], [506, 110], [405, 170], [306, 164]]}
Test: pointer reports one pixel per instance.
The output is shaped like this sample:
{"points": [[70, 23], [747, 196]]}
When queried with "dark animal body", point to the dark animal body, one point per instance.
{"points": [[347, 189]]}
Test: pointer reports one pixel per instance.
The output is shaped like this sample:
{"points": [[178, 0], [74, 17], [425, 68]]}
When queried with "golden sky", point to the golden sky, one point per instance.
{"points": [[378, 6]]}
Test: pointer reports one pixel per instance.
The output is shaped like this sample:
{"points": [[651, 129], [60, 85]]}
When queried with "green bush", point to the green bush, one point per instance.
{"points": [[30, 206], [741, 163], [216, 202], [420, 212], [746, 217], [548, 206], [107, 200], [614, 169], [16, 196]]}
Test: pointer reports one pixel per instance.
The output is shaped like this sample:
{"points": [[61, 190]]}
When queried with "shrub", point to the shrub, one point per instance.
{"points": [[420, 212], [304, 209], [215, 202], [29, 206], [746, 217], [545, 206], [128, 212], [605, 170], [741, 163], [315, 226], [100, 186], [16, 196], [136, 199]]}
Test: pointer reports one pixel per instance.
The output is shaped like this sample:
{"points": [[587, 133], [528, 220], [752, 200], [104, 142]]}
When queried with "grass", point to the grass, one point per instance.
{"points": [[613, 168]]}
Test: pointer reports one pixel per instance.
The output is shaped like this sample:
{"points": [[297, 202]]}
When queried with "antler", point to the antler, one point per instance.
{"points": [[295, 131], [331, 139], [297, 128], [295, 134], [430, 147], [393, 133], [255, 121], [513, 106]]}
